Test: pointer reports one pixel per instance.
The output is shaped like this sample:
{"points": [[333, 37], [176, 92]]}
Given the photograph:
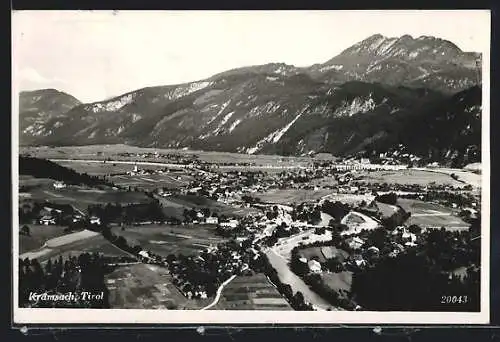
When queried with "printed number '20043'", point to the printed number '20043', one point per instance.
{"points": [[453, 299]]}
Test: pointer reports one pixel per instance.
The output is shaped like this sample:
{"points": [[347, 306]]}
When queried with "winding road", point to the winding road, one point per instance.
{"points": [[219, 293]]}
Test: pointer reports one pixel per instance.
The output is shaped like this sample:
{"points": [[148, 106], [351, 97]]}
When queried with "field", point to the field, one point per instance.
{"points": [[289, 196], [338, 281], [386, 210], [74, 244], [30, 181], [101, 168], [408, 177], [175, 205], [111, 151], [38, 236], [348, 198], [169, 180], [143, 286], [251, 293], [80, 197], [323, 253], [357, 222], [165, 240], [431, 215]]}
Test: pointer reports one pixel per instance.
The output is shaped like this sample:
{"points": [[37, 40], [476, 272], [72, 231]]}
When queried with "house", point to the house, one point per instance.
{"points": [[59, 185], [230, 224], [144, 255], [47, 219], [314, 266], [212, 220], [355, 242], [359, 261], [95, 220]]}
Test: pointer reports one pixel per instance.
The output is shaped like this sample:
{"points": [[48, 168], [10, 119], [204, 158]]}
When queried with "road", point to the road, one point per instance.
{"points": [[288, 277], [219, 293], [126, 162], [463, 175]]}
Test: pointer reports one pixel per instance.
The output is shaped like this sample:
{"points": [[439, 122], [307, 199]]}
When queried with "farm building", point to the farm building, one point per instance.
{"points": [[59, 185], [95, 220], [355, 242], [47, 219], [314, 266], [212, 220], [230, 224]]}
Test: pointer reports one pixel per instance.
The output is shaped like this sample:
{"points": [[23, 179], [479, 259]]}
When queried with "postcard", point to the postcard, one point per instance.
{"points": [[231, 167]]}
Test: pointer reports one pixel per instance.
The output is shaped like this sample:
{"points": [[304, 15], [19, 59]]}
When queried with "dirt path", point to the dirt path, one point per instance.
{"points": [[219, 293]]}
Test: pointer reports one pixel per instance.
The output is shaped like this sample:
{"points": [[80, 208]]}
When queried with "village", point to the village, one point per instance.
{"points": [[337, 223]]}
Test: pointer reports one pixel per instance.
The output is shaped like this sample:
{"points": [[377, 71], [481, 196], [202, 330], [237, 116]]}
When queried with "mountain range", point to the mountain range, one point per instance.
{"points": [[419, 94]]}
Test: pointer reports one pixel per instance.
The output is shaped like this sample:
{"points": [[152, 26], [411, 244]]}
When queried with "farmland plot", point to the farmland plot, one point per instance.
{"points": [[251, 293], [143, 286]]}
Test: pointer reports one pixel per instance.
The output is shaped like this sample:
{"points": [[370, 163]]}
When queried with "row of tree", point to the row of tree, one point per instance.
{"points": [[84, 273]]}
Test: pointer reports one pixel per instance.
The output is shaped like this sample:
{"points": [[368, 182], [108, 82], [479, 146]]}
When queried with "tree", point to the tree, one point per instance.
{"points": [[390, 198], [414, 229], [25, 230]]}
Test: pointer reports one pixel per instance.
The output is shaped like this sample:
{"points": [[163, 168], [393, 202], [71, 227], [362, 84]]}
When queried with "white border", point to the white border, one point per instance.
{"points": [[132, 316]]}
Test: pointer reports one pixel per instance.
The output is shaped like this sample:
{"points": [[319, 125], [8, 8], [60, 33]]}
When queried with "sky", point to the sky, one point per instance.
{"points": [[94, 55]]}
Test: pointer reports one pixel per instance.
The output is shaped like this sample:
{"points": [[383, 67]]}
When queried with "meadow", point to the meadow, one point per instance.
{"points": [[168, 239], [74, 244], [408, 177], [39, 235], [431, 215], [289, 196]]}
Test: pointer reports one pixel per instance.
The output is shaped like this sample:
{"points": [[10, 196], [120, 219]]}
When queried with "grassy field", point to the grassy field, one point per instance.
{"points": [[386, 210], [30, 181], [81, 197], [251, 293], [175, 205], [170, 180], [338, 281], [110, 151], [39, 235], [426, 214], [76, 243], [408, 177], [143, 286], [288, 196], [165, 240], [102, 168]]}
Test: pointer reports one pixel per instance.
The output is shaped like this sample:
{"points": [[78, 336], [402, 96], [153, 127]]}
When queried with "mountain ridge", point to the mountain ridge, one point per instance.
{"points": [[279, 108]]}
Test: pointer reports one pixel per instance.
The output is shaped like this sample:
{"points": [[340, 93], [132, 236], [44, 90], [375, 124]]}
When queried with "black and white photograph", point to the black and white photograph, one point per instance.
{"points": [[251, 166]]}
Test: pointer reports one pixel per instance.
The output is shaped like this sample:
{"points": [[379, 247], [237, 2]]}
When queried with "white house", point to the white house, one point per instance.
{"points": [[144, 254], [230, 224], [355, 242], [47, 219], [59, 185], [212, 220], [314, 266]]}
